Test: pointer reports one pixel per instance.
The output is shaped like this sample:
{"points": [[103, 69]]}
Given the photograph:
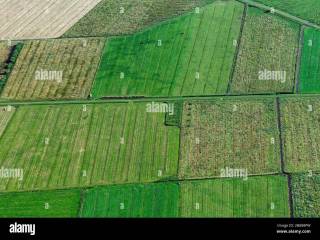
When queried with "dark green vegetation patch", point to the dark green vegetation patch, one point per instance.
{"points": [[64, 203], [310, 62], [150, 200], [189, 55], [174, 118], [306, 195]]}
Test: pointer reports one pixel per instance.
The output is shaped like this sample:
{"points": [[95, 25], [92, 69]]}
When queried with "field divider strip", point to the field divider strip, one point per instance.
{"points": [[236, 55], [278, 110], [290, 195], [298, 62], [280, 13]]}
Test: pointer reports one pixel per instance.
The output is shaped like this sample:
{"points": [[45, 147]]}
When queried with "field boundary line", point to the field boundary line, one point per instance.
{"points": [[290, 196], [281, 13], [298, 62], [81, 201], [106, 41], [124, 100], [93, 186], [278, 112], [237, 52]]}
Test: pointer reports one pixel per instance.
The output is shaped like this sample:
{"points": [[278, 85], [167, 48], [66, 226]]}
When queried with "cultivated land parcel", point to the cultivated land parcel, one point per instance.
{"points": [[190, 55], [54, 69], [75, 145], [114, 157], [33, 19]]}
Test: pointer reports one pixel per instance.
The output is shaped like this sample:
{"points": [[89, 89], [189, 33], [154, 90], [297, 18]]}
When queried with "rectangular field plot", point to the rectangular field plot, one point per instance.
{"points": [[6, 114], [222, 135], [300, 119], [53, 69], [305, 9], [267, 55], [32, 19], [257, 197], [189, 55], [117, 17], [75, 145], [149, 200], [310, 63], [40, 204], [306, 195]]}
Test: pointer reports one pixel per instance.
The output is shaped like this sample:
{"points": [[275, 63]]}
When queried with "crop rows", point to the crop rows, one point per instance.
{"points": [[33, 19], [151, 200], [54, 69], [267, 55], [5, 116], [190, 55], [255, 197], [75, 145]]}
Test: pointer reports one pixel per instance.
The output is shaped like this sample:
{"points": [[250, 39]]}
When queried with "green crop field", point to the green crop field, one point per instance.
{"points": [[267, 55], [53, 69], [40, 204], [117, 17], [6, 114], [301, 133], [257, 197], [306, 195], [234, 134], [190, 55], [310, 62], [305, 9], [4, 54], [74, 145], [149, 200]]}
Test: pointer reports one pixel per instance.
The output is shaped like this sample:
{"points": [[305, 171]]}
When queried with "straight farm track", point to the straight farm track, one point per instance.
{"points": [[73, 145], [54, 69], [189, 55], [34, 19]]}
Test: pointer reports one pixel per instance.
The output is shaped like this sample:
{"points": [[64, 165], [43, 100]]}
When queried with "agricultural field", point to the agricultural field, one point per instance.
{"points": [[61, 146], [306, 195], [6, 114], [54, 69], [256, 197], [189, 55], [34, 19], [118, 17], [40, 204], [267, 55], [229, 134], [149, 200], [300, 119], [310, 62], [305, 9]]}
